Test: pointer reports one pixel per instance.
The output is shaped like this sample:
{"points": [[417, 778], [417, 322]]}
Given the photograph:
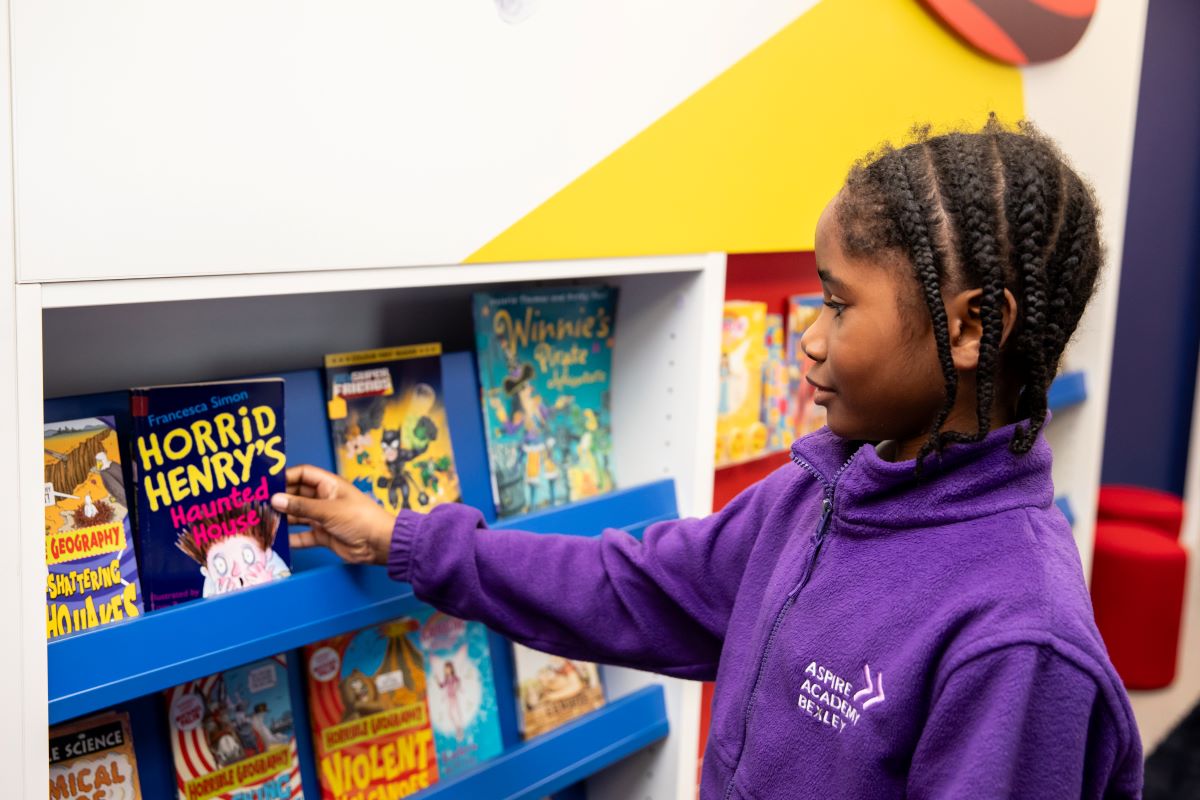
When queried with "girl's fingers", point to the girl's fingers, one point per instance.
{"points": [[296, 506], [308, 475], [307, 539]]}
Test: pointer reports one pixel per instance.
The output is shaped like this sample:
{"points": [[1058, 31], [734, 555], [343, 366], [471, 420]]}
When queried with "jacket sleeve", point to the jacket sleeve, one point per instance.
{"points": [[660, 604], [1023, 721]]}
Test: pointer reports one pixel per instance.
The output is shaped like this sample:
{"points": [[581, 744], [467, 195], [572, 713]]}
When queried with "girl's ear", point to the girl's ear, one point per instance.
{"points": [[966, 326]]}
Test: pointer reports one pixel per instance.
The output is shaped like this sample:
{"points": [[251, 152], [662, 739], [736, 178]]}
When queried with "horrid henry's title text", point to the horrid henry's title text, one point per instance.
{"points": [[219, 454], [557, 347]]}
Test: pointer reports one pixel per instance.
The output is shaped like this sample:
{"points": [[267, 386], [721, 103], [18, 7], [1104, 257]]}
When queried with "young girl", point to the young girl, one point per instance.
{"points": [[900, 612]]}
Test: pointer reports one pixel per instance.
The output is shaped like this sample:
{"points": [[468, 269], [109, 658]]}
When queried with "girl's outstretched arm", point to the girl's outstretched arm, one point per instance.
{"points": [[660, 604]]}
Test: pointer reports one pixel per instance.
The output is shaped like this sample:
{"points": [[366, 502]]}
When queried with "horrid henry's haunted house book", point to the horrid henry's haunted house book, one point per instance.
{"points": [[545, 365], [206, 459]]}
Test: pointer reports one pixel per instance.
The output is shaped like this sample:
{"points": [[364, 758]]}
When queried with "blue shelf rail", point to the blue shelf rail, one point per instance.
{"points": [[565, 755], [323, 598], [1068, 389]]}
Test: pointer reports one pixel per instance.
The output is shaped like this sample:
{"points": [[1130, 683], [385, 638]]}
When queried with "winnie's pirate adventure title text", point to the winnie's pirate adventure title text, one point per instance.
{"points": [[207, 458]]}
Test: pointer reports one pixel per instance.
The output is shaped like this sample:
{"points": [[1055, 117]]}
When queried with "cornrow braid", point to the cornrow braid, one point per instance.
{"points": [[1034, 208], [916, 223], [960, 162], [995, 210]]}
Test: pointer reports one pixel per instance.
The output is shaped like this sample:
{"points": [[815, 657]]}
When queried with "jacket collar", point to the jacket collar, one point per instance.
{"points": [[871, 495]]}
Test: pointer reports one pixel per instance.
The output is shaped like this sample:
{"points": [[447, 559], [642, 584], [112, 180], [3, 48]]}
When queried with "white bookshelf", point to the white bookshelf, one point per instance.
{"points": [[95, 336]]}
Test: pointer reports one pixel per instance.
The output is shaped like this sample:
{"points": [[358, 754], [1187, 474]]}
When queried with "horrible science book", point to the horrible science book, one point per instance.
{"points": [[461, 690], [553, 690], [92, 759], [93, 574], [372, 736], [232, 735], [206, 459], [391, 437], [545, 366]]}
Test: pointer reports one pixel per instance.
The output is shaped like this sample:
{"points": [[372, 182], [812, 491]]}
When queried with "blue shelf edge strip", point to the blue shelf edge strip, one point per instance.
{"points": [[566, 755], [322, 598], [1068, 389]]}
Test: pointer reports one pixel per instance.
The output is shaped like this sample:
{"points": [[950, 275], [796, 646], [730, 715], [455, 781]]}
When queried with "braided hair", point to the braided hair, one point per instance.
{"points": [[995, 210]]}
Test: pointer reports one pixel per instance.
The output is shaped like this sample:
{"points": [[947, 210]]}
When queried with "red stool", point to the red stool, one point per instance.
{"points": [[1162, 511], [1137, 593]]}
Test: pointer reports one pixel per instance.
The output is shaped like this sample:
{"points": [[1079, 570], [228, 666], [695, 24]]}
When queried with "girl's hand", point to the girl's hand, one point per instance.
{"points": [[338, 515]]}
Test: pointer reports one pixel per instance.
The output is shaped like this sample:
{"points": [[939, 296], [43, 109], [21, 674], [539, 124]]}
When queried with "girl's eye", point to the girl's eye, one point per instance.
{"points": [[248, 554], [838, 308], [219, 565]]}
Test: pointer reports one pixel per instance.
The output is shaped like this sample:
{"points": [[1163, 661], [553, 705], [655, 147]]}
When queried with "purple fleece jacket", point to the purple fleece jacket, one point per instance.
{"points": [[872, 635]]}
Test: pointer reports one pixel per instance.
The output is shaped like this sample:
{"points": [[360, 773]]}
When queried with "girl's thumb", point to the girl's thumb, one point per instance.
{"points": [[297, 506]]}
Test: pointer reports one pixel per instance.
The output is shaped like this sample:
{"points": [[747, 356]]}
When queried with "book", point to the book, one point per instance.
{"points": [[553, 690], [805, 415], [391, 436], [461, 690], [370, 714], [206, 459], [545, 367], [776, 388], [93, 758], [93, 573], [233, 736], [740, 431]]}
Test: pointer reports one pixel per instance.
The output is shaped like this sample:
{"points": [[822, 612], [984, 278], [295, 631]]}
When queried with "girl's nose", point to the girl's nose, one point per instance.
{"points": [[812, 342]]}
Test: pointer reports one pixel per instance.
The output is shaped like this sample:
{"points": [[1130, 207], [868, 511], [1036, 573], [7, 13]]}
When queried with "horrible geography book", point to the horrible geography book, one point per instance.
{"points": [[233, 735], [391, 436], [367, 701], [93, 574], [545, 368], [206, 459]]}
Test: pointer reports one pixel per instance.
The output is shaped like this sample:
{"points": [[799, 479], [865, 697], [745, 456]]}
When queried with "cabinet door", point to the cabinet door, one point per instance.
{"points": [[184, 138]]}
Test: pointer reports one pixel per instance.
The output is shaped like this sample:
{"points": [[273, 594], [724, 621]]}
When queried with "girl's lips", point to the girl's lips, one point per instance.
{"points": [[821, 394]]}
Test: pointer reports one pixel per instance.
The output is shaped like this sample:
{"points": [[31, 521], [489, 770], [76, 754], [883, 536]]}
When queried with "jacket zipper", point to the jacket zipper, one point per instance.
{"points": [[819, 539]]}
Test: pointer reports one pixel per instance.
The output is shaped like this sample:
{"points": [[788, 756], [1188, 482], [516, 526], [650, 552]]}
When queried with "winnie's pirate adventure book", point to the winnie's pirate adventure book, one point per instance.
{"points": [[206, 459], [93, 575], [461, 690], [545, 365], [92, 759], [370, 714], [391, 437], [553, 690], [232, 735]]}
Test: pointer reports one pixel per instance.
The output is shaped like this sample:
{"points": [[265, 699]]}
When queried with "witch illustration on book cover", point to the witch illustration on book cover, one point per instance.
{"points": [[545, 360]]}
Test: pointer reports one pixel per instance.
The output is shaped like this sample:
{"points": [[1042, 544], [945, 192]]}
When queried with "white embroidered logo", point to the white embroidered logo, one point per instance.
{"points": [[825, 696]]}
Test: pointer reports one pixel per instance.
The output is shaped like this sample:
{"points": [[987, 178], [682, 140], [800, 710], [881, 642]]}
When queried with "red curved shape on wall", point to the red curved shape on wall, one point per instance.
{"points": [[1017, 31]]}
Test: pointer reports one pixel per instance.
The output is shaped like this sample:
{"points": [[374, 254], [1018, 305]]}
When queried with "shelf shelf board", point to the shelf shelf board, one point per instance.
{"points": [[565, 755], [322, 598], [70, 294]]}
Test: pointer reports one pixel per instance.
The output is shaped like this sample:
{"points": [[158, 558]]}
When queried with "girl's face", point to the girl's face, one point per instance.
{"points": [[875, 367]]}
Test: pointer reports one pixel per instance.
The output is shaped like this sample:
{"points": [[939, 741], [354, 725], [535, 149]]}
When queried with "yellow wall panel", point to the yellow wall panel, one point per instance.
{"points": [[747, 163]]}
